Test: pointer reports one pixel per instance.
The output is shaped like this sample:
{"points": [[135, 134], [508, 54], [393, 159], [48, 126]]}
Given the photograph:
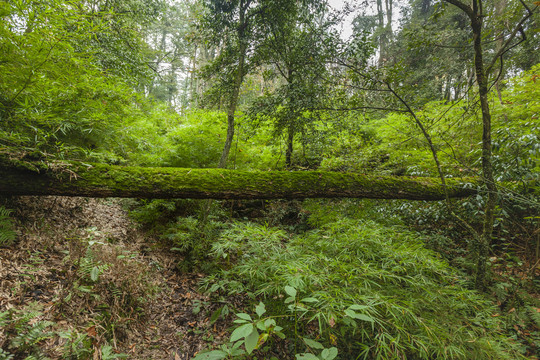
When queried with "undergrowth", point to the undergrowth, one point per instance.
{"points": [[103, 294], [109, 284], [181, 227], [7, 234], [24, 331], [375, 292]]}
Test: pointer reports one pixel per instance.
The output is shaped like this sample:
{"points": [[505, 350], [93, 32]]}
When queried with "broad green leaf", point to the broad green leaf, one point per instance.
{"points": [[358, 307], [251, 341], [313, 344], [241, 332], [289, 300], [260, 309], [244, 316], [237, 352], [94, 273], [269, 322], [290, 291], [362, 317], [261, 326], [329, 354], [309, 300], [306, 356], [212, 355]]}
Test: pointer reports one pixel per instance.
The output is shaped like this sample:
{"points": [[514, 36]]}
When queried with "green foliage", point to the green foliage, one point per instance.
{"points": [[177, 222], [193, 239], [25, 330], [114, 287], [393, 144], [258, 333], [374, 291], [7, 234], [156, 213], [516, 136], [68, 72]]}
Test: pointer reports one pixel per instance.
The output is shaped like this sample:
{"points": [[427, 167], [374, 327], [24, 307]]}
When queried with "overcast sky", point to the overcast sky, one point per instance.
{"points": [[346, 26]]}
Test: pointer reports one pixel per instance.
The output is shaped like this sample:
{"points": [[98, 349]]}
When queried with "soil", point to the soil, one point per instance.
{"points": [[43, 269]]}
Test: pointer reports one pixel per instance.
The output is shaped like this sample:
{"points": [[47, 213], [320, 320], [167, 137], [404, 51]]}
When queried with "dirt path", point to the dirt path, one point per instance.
{"points": [[60, 237]]}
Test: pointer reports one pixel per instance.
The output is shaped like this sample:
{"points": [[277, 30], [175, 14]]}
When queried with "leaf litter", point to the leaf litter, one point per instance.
{"points": [[45, 269]]}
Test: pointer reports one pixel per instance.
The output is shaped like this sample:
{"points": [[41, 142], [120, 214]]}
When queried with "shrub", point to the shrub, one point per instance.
{"points": [[375, 292]]}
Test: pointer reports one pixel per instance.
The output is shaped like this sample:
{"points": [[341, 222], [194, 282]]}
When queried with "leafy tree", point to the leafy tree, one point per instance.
{"points": [[433, 46], [300, 47], [238, 28], [476, 14], [230, 23]]}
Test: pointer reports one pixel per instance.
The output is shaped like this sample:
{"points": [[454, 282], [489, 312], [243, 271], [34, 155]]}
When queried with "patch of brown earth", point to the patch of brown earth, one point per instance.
{"points": [[90, 271]]}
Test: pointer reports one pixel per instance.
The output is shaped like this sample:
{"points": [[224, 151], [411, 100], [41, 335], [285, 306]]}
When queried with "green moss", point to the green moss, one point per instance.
{"points": [[101, 180]]}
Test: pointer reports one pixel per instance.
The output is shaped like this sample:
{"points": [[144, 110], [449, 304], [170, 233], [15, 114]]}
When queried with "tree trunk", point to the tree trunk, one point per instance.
{"points": [[487, 166], [239, 78], [99, 180], [290, 146], [476, 15]]}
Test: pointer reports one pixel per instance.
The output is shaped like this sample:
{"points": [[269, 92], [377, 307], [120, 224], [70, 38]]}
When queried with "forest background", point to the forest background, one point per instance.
{"points": [[420, 88]]}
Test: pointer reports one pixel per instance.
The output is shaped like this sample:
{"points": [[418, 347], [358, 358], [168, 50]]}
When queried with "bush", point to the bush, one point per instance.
{"points": [[375, 292]]}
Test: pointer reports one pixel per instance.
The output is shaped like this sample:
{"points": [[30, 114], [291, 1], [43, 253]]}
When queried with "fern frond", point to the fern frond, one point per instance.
{"points": [[7, 234]]}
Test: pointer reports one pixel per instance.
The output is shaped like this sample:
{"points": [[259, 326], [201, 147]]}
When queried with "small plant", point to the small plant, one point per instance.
{"points": [[254, 331], [112, 285], [192, 238], [23, 331], [7, 234]]}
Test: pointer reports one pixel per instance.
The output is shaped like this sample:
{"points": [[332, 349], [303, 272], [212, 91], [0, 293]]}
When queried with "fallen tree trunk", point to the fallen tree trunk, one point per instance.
{"points": [[18, 177]]}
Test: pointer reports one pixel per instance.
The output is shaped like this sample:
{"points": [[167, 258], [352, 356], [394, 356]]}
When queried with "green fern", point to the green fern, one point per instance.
{"points": [[7, 234], [534, 315], [25, 332], [4, 355]]}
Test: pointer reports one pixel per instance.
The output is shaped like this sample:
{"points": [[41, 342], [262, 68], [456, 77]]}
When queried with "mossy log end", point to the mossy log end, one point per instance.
{"points": [[71, 178]]}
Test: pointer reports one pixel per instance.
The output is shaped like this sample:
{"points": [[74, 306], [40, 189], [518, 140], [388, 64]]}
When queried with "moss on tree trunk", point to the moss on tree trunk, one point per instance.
{"points": [[99, 180]]}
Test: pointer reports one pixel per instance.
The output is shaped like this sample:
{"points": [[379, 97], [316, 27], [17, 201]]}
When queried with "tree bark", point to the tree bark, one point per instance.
{"points": [[476, 16], [238, 80], [99, 180]]}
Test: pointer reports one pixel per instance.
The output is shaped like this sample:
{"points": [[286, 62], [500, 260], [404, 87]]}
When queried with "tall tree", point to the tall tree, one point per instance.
{"points": [[476, 13], [232, 25], [238, 28], [300, 46]]}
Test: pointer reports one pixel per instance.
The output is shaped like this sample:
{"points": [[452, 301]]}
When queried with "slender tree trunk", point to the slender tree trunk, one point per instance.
{"points": [[487, 165], [193, 67], [232, 109], [476, 15], [499, 11], [290, 146], [239, 78], [382, 34]]}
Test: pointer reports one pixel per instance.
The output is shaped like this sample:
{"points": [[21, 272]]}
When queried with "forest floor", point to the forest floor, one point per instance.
{"points": [[84, 281], [60, 237]]}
